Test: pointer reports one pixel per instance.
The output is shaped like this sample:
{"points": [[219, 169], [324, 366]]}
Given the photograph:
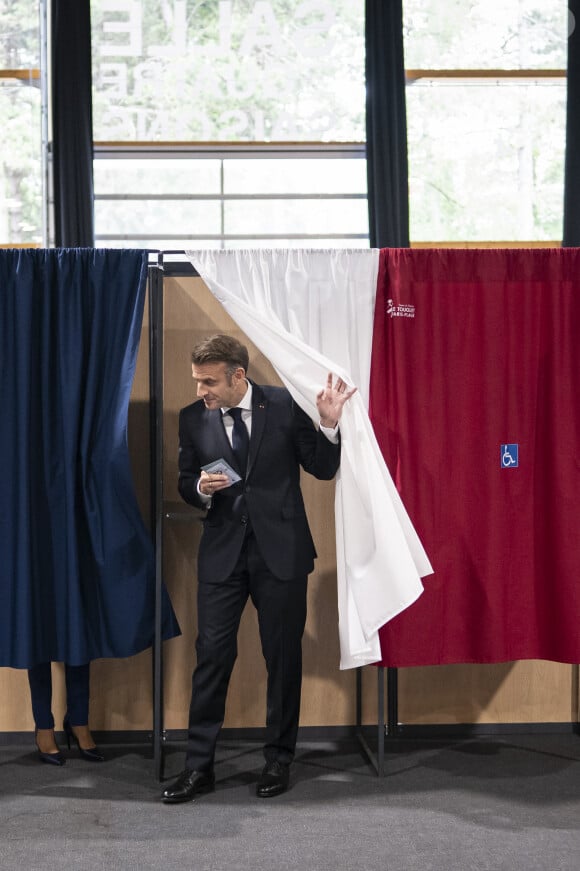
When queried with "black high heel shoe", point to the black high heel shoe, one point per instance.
{"points": [[93, 754], [50, 758]]}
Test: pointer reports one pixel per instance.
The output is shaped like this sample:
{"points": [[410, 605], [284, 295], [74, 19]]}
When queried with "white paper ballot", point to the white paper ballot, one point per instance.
{"points": [[221, 467]]}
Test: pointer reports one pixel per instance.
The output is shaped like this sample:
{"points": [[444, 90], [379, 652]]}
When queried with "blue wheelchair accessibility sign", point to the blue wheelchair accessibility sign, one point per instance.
{"points": [[509, 456]]}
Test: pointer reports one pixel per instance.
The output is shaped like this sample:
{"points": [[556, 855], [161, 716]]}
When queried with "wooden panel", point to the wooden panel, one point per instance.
{"points": [[526, 692]]}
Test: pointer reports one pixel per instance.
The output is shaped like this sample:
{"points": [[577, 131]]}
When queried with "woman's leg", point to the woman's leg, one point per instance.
{"points": [[40, 680], [76, 722], [77, 678]]}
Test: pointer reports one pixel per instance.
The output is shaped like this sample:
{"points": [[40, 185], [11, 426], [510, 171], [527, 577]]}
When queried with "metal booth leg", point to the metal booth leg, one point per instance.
{"points": [[377, 759], [155, 277]]}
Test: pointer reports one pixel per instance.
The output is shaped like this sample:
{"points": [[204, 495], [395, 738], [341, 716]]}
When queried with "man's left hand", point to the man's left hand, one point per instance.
{"points": [[331, 399]]}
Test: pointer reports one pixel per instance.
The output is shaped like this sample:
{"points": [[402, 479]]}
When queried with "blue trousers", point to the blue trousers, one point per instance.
{"points": [[77, 694]]}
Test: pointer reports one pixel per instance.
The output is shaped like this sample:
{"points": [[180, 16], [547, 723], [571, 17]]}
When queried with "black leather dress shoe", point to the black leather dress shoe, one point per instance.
{"points": [[273, 780], [188, 785]]}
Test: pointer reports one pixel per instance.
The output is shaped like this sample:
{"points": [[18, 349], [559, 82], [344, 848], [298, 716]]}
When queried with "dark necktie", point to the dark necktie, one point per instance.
{"points": [[240, 439]]}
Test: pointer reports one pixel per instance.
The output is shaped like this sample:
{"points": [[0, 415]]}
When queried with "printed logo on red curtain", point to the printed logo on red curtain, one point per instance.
{"points": [[509, 456], [400, 310]]}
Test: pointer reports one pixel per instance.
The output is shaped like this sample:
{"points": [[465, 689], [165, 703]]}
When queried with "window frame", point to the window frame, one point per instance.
{"points": [[223, 151]]}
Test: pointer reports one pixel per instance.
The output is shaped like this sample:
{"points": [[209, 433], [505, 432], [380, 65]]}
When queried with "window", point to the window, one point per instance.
{"points": [[21, 160], [241, 122], [229, 123], [486, 114]]}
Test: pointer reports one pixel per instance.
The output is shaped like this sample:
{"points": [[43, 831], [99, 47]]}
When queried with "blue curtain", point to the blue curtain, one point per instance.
{"points": [[76, 562]]}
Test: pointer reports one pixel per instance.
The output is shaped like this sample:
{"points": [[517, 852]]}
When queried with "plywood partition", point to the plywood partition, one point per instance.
{"points": [[531, 691], [523, 692]]}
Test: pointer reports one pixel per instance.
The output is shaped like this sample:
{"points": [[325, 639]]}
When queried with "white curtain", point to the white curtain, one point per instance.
{"points": [[310, 313]]}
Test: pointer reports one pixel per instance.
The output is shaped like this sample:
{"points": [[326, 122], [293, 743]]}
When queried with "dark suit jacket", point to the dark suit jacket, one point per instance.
{"points": [[282, 438]]}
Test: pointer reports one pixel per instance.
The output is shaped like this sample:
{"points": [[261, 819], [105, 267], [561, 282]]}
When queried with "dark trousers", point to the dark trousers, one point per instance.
{"points": [[77, 694], [281, 607]]}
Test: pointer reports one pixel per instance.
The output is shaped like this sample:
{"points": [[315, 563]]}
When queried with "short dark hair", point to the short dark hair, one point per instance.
{"points": [[221, 349]]}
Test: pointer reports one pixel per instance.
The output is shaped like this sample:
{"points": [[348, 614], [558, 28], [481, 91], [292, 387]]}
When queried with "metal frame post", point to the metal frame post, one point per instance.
{"points": [[156, 483]]}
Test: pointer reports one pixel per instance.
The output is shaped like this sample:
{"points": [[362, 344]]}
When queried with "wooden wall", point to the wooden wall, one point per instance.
{"points": [[523, 692]]}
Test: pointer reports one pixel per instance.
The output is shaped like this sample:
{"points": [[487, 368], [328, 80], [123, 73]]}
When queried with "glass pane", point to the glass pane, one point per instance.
{"points": [[487, 34], [263, 217], [229, 70], [300, 175], [19, 34], [156, 176], [20, 165], [20, 125], [486, 163], [154, 217]]}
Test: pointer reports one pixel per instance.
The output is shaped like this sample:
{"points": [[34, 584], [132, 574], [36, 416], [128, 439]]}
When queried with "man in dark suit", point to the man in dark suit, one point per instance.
{"points": [[256, 542]]}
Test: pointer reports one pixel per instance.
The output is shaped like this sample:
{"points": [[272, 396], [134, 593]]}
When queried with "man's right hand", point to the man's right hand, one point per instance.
{"points": [[210, 484]]}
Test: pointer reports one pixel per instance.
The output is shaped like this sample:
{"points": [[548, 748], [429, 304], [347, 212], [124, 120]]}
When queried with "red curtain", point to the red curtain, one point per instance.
{"points": [[475, 400]]}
